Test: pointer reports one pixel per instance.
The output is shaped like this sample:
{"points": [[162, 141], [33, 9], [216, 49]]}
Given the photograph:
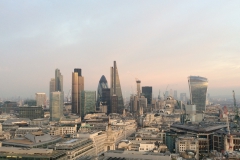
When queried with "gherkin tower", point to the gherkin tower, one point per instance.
{"points": [[102, 84]]}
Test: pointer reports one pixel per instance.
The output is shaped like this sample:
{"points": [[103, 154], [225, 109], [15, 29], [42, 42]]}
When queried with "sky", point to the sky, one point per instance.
{"points": [[159, 42]]}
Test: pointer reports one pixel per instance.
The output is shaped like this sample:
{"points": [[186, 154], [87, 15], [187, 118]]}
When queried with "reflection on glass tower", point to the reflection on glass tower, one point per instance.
{"points": [[116, 87], [147, 93], [88, 101], [198, 92], [58, 80], [102, 84], [56, 106]]}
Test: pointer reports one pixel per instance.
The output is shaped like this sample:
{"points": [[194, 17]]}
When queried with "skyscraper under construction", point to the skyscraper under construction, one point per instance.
{"points": [[116, 87], [77, 87]]}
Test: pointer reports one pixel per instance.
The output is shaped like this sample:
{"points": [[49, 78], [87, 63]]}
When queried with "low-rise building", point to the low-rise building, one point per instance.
{"points": [[31, 153], [32, 112], [135, 155], [33, 140], [98, 138], [77, 148], [65, 129], [187, 143]]}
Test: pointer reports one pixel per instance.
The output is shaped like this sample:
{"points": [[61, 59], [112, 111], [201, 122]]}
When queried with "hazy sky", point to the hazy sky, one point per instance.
{"points": [[158, 42]]}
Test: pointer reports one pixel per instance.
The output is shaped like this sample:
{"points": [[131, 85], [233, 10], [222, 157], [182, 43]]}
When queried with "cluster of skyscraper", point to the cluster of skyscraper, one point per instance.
{"points": [[56, 96], [110, 100]]}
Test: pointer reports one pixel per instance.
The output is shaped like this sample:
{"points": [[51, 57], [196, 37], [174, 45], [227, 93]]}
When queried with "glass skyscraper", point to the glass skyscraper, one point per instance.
{"points": [[56, 105], [56, 97], [58, 80], [147, 93], [198, 92], [116, 87], [77, 87], [101, 85], [88, 101]]}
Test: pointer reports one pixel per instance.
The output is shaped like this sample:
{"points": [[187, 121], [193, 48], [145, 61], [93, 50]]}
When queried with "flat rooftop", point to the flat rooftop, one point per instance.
{"points": [[200, 128]]}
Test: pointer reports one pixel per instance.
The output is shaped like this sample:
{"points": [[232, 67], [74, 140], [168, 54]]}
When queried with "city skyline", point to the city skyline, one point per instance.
{"points": [[160, 43]]}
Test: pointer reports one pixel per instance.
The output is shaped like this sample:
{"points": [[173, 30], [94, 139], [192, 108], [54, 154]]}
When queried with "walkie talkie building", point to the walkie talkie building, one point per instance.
{"points": [[198, 92]]}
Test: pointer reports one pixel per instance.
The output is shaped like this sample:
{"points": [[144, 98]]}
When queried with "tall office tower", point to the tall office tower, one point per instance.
{"points": [[58, 81], [106, 99], [101, 85], [183, 96], [175, 95], [198, 92], [134, 104], [147, 93], [116, 87], [77, 87], [52, 85], [88, 102], [41, 99], [142, 104], [138, 88], [56, 105]]}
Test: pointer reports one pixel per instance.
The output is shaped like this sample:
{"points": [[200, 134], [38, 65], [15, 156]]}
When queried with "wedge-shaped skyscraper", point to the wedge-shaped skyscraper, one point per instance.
{"points": [[116, 87], [198, 92]]}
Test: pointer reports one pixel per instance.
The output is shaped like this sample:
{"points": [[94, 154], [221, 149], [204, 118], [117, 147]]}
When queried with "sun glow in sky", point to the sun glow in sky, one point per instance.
{"points": [[159, 42]]}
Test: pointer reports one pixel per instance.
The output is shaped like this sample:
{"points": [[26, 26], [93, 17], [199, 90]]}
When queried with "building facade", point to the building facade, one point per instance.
{"points": [[88, 102], [56, 105], [101, 85], [58, 81], [41, 99], [198, 92], [31, 112], [106, 99], [147, 93], [116, 87], [77, 87]]}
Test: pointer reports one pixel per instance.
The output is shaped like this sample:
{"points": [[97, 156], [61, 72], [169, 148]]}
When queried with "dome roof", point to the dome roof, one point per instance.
{"points": [[103, 79]]}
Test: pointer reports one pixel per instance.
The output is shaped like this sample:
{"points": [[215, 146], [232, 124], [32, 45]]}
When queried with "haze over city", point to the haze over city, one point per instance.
{"points": [[161, 43]]}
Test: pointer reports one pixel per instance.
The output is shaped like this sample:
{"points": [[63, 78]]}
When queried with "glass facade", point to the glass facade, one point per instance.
{"points": [[106, 99], [147, 93], [198, 92], [56, 106], [101, 85], [88, 101], [77, 87], [31, 112], [58, 80]]}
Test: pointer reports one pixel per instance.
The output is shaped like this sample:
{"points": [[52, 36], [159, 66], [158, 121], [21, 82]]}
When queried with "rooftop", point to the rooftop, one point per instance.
{"points": [[200, 128]]}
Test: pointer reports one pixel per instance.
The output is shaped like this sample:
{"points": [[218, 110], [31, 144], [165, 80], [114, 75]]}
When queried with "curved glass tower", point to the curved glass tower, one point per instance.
{"points": [[198, 92], [102, 84]]}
